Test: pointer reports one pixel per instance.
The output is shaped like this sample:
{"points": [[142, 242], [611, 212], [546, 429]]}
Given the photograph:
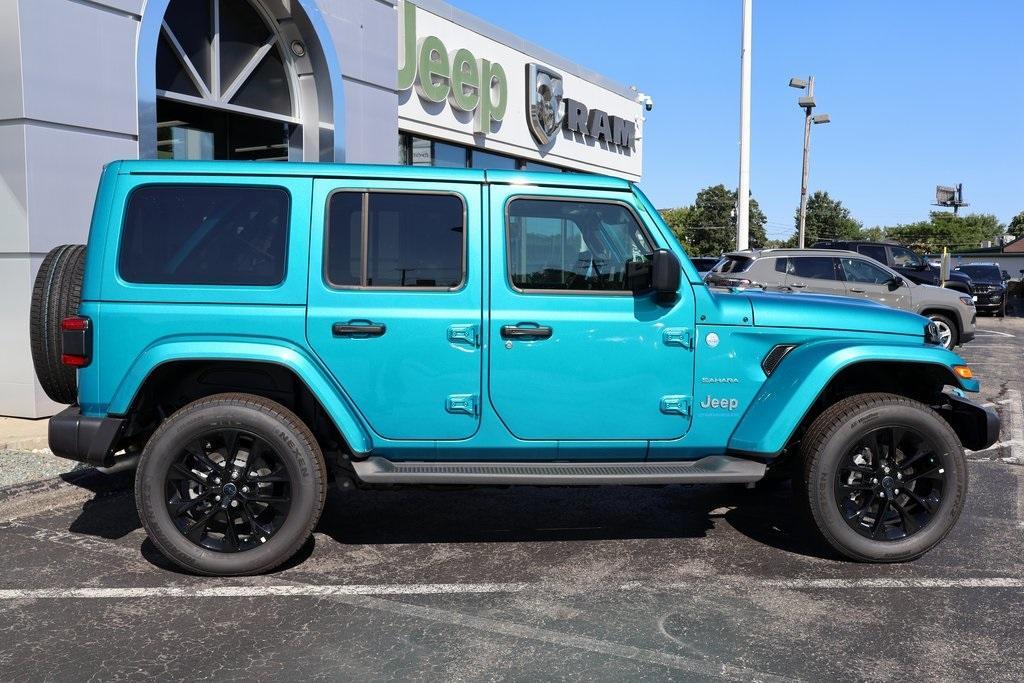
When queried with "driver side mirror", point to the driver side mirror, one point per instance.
{"points": [[662, 273], [895, 283]]}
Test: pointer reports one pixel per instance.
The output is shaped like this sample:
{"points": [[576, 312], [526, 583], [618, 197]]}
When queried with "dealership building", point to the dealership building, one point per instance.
{"points": [[85, 82]]}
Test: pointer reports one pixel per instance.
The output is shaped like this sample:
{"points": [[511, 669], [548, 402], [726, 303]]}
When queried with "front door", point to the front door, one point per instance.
{"points": [[574, 355], [395, 302], [865, 280]]}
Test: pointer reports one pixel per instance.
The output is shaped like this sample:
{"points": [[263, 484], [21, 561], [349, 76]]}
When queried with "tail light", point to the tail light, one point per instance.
{"points": [[76, 341]]}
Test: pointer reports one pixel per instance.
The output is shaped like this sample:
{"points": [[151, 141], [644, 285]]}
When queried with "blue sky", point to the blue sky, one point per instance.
{"points": [[921, 92]]}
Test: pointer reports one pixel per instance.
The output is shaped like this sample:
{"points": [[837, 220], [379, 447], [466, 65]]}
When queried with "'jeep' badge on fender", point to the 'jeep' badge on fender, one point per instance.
{"points": [[720, 403], [544, 102]]}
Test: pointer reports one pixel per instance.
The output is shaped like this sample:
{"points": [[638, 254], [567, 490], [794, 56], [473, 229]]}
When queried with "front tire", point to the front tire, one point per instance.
{"points": [[948, 331], [231, 484], [885, 477]]}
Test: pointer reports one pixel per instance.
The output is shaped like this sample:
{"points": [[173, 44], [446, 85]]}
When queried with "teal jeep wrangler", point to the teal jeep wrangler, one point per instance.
{"points": [[252, 332]]}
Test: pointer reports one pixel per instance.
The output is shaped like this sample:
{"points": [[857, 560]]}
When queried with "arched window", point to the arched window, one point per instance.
{"points": [[225, 85]]}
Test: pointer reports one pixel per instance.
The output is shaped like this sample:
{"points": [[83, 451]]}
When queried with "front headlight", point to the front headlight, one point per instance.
{"points": [[967, 301]]}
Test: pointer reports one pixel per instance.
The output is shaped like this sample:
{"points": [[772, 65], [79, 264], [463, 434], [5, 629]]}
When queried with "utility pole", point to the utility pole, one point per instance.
{"points": [[807, 103], [743, 193]]}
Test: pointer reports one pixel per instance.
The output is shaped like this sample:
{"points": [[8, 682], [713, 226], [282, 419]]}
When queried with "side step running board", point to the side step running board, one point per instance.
{"points": [[713, 469]]}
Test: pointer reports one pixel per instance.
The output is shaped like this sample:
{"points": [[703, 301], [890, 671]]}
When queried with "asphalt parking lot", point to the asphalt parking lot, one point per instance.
{"points": [[687, 583]]}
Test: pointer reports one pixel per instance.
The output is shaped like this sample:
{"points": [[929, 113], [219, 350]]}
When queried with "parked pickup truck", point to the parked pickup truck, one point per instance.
{"points": [[255, 331]]}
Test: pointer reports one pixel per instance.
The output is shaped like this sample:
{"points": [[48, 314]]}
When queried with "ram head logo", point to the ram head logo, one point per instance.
{"points": [[544, 99]]}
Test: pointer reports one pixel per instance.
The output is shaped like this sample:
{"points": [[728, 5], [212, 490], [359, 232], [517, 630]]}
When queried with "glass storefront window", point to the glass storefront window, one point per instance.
{"points": [[417, 151], [486, 160], [422, 154], [537, 166], [449, 156]]}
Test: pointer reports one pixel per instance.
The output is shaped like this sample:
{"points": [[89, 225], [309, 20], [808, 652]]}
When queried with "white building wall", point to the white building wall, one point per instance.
{"points": [[70, 105], [512, 136]]}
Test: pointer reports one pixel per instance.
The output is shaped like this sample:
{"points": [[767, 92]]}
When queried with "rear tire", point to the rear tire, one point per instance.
{"points": [[231, 484], [921, 482], [56, 295], [947, 329]]}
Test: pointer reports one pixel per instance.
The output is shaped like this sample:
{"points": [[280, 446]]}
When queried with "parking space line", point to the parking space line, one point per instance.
{"points": [[1015, 426], [341, 590]]}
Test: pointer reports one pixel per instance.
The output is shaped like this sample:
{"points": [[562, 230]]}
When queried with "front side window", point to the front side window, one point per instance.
{"points": [[813, 267], [859, 270], [904, 258], [573, 245], [205, 235], [395, 239]]}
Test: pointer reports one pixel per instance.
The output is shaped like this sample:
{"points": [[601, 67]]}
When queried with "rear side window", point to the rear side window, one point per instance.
{"points": [[874, 251], [395, 240], [733, 264], [205, 235], [814, 267]]}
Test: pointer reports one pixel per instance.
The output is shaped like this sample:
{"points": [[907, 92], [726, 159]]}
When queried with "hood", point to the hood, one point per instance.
{"points": [[823, 312]]}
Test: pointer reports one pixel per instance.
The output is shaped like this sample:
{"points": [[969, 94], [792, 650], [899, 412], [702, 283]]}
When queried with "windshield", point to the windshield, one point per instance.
{"points": [[984, 273]]}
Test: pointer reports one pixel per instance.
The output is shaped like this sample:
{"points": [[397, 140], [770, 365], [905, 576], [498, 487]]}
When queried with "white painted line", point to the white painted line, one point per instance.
{"points": [[993, 333], [243, 591], [998, 582], [1014, 427], [999, 444], [337, 590]]}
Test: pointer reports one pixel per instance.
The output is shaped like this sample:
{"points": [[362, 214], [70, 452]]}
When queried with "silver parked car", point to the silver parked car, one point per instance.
{"points": [[847, 273]]}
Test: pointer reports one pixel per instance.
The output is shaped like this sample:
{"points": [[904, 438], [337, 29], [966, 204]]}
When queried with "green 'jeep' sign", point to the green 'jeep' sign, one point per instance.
{"points": [[469, 84]]}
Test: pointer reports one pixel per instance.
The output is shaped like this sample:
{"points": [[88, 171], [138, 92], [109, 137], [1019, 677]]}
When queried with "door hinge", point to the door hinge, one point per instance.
{"points": [[675, 405], [463, 334], [677, 336], [461, 403]]}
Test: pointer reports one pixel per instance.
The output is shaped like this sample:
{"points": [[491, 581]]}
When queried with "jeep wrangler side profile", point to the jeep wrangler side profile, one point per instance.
{"points": [[254, 331]]}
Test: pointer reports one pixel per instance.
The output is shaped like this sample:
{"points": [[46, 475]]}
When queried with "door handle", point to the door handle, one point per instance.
{"points": [[856, 291], [522, 332], [798, 285], [356, 328]]}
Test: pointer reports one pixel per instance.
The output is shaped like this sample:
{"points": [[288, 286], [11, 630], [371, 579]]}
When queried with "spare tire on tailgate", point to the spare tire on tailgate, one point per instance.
{"points": [[56, 295]]}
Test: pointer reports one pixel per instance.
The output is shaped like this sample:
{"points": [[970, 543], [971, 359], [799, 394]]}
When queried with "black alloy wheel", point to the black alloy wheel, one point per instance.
{"points": [[890, 484], [230, 484], [228, 491]]}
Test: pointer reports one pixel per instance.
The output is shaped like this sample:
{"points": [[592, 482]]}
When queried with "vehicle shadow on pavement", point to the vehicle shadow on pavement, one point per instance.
{"points": [[502, 515], [549, 514]]}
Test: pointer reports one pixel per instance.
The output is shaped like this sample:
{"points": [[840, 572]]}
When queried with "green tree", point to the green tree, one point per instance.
{"points": [[677, 219], [827, 219], [875, 234], [1017, 225], [957, 233], [708, 226]]}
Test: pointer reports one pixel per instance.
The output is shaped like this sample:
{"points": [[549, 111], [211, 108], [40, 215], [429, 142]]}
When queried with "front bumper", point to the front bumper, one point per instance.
{"points": [[85, 439], [977, 426]]}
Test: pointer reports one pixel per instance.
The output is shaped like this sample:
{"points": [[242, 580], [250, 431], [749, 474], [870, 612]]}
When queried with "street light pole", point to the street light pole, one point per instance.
{"points": [[743, 192], [807, 103], [807, 153]]}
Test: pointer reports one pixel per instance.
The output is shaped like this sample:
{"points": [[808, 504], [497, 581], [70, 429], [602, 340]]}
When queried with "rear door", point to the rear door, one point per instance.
{"points": [[817, 274], [395, 302]]}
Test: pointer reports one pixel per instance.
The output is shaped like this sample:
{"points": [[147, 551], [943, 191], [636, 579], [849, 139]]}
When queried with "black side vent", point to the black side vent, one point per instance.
{"points": [[775, 356]]}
